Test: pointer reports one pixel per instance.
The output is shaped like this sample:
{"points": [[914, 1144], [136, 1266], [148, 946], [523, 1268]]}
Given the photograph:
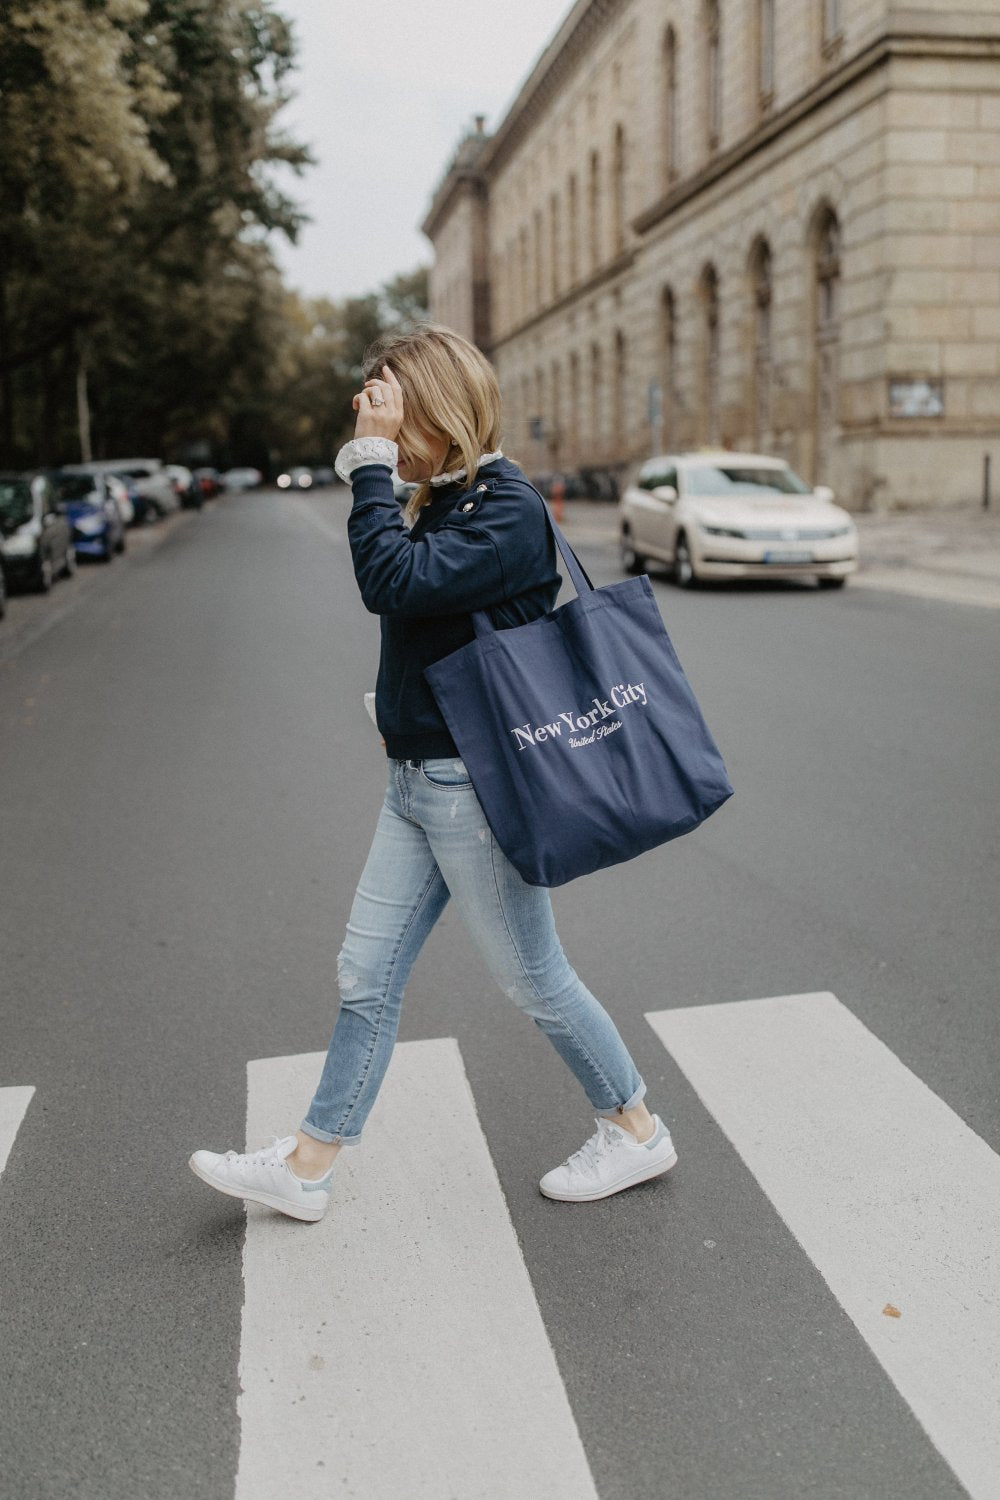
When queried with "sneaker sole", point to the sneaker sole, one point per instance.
{"points": [[307, 1216], [643, 1175]]}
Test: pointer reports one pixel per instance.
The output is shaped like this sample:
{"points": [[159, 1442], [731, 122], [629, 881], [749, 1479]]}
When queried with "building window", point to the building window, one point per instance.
{"points": [[538, 258], [522, 290], [669, 98], [708, 416], [713, 72], [555, 436], [572, 452], [760, 283], [618, 409], [596, 435], [826, 340], [765, 52], [618, 192], [663, 419], [555, 245], [572, 228], [594, 211]]}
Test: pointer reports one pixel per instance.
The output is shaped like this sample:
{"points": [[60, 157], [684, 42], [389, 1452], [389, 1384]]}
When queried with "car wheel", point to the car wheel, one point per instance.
{"points": [[43, 579], [632, 561], [682, 573], [3, 595], [69, 563], [831, 583], [120, 544]]}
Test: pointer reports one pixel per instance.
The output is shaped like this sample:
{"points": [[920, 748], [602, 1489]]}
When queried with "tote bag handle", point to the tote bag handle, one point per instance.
{"points": [[481, 622]]}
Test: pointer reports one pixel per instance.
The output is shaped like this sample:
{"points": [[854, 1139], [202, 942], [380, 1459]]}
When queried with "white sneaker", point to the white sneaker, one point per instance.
{"points": [[265, 1177], [611, 1160]]}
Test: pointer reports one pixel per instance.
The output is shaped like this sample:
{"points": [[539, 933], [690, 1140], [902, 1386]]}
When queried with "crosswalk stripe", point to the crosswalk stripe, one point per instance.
{"points": [[891, 1195], [396, 1349], [13, 1104]]}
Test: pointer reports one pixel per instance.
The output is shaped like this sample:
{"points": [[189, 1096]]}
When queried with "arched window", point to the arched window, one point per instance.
{"points": [[765, 51], [664, 422], [669, 102], [618, 192], [713, 73], [555, 245], [826, 339], [572, 228], [760, 287], [708, 416], [594, 211]]}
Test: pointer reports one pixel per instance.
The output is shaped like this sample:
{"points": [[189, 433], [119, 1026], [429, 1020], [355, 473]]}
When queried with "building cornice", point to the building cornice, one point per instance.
{"points": [[572, 41], [877, 55], [576, 293]]}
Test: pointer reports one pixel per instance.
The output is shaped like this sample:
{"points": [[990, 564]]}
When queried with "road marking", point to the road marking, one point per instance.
{"points": [[891, 1195], [396, 1350], [13, 1103]]}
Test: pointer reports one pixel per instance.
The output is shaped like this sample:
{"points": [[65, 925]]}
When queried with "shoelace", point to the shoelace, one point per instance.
{"points": [[267, 1155], [592, 1150]]}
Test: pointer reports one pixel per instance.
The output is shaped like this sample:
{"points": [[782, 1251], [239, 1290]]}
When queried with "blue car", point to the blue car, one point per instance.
{"points": [[88, 503]]}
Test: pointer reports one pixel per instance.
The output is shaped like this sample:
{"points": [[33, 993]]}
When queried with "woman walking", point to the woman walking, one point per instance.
{"points": [[479, 541]]}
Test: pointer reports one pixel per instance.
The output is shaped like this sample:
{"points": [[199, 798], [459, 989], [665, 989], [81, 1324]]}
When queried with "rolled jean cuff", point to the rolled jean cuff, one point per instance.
{"points": [[324, 1135], [636, 1098]]}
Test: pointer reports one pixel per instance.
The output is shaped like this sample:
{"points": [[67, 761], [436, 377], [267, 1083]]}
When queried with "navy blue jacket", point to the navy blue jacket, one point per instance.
{"points": [[487, 547]]}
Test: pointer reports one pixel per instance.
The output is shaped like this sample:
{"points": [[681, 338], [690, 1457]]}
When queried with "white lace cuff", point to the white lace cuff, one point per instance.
{"points": [[365, 450]]}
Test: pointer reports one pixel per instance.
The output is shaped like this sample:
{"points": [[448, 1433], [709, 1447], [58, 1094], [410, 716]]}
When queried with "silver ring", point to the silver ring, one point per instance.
{"points": [[378, 399]]}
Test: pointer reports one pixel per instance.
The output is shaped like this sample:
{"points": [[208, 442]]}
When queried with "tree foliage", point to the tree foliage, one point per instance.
{"points": [[136, 202]]}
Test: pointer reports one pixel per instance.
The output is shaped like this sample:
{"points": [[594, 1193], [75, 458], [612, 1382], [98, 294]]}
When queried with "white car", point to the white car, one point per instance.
{"points": [[243, 479], [734, 515]]}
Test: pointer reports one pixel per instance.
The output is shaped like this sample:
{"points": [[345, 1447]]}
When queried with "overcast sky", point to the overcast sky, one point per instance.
{"points": [[384, 91]]}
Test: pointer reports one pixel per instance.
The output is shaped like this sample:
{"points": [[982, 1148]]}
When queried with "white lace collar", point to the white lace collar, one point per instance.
{"points": [[449, 478]]}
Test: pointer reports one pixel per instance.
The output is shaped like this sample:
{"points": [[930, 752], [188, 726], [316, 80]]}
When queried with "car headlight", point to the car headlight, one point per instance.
{"points": [[284, 480], [22, 544], [90, 525], [721, 531]]}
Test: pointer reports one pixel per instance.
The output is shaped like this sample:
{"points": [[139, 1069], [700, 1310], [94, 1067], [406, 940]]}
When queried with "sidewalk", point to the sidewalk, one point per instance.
{"points": [[951, 554]]}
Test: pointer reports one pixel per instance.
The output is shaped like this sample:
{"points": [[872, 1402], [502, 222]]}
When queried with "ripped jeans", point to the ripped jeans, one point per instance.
{"points": [[431, 842]]}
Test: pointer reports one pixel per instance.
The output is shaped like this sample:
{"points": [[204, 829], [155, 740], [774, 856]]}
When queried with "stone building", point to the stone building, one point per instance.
{"points": [[771, 224]]}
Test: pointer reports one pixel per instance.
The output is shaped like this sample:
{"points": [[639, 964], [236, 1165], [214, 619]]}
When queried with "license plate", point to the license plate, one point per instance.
{"points": [[788, 557]]}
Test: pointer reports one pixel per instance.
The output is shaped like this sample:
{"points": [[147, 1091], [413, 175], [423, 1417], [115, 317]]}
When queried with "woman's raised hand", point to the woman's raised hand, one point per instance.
{"points": [[379, 407]]}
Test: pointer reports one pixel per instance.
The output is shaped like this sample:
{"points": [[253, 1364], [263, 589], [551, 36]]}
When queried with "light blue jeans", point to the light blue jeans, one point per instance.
{"points": [[432, 841]]}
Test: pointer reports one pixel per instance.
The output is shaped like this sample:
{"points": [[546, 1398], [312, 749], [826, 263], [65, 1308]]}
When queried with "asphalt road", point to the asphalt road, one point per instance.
{"points": [[189, 783]]}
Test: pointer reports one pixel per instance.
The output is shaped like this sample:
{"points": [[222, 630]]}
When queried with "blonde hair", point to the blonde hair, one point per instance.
{"points": [[450, 390]]}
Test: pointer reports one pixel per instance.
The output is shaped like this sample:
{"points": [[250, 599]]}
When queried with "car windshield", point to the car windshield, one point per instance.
{"points": [[15, 503], [75, 487], [723, 480]]}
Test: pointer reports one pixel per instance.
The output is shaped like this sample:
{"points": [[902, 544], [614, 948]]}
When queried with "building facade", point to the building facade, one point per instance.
{"points": [[767, 224]]}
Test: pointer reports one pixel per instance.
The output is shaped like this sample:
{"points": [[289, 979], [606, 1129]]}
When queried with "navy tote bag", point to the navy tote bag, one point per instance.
{"points": [[581, 734]]}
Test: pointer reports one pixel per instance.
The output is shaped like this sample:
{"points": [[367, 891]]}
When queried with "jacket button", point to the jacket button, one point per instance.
{"points": [[480, 489], [470, 505]]}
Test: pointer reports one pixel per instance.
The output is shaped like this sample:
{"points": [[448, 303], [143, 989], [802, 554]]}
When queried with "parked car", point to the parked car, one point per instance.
{"points": [[188, 490], [36, 543], [130, 505], [734, 515], [211, 481], [147, 481], [91, 507], [242, 479]]}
